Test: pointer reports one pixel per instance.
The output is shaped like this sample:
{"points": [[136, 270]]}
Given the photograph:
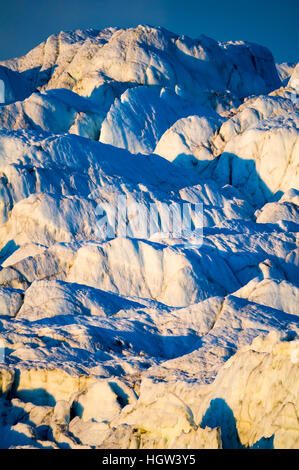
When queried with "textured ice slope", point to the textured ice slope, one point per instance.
{"points": [[153, 340], [83, 60]]}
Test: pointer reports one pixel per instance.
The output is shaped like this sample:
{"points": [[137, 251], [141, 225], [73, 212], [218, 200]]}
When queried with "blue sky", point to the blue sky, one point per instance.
{"points": [[273, 23]]}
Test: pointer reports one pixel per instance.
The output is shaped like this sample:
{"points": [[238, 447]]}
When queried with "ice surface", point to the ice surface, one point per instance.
{"points": [[150, 340]]}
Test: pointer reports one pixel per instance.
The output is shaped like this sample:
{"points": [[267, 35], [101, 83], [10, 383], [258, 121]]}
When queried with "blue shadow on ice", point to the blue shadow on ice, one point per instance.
{"points": [[219, 414]]}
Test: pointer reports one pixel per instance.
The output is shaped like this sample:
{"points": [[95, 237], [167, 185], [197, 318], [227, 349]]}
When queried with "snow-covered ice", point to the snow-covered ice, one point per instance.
{"points": [[149, 340]]}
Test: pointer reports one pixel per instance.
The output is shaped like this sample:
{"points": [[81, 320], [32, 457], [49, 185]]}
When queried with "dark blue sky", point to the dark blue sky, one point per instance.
{"points": [[273, 23]]}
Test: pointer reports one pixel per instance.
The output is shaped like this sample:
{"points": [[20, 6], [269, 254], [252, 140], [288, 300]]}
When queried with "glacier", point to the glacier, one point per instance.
{"points": [[144, 342]]}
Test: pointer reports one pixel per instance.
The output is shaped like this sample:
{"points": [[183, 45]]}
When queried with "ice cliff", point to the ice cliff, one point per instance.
{"points": [[148, 342]]}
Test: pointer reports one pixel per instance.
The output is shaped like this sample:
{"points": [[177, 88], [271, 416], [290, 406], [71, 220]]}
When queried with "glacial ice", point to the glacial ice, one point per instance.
{"points": [[149, 340]]}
